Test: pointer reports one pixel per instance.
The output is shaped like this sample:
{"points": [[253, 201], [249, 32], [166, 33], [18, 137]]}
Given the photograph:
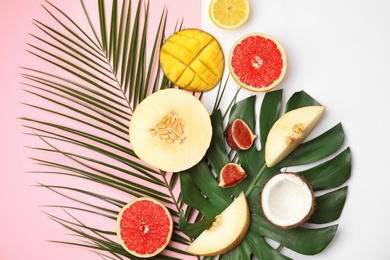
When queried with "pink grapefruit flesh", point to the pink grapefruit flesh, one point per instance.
{"points": [[144, 227], [257, 62]]}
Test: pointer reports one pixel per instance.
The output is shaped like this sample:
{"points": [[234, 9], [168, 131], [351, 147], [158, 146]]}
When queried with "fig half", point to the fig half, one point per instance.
{"points": [[231, 174], [239, 136]]}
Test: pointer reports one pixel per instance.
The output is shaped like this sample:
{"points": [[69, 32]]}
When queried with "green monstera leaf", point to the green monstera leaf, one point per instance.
{"points": [[332, 168]]}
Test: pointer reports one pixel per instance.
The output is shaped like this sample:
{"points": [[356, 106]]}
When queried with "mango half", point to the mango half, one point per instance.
{"points": [[193, 60], [170, 130]]}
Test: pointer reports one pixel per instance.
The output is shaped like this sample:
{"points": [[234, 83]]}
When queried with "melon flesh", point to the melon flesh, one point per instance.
{"points": [[175, 156], [227, 232], [289, 131]]}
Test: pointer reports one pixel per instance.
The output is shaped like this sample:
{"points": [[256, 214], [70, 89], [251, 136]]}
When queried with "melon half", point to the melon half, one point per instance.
{"points": [[171, 130], [227, 231]]}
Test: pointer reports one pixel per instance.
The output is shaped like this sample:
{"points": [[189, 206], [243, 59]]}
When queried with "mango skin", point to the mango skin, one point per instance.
{"points": [[193, 60]]}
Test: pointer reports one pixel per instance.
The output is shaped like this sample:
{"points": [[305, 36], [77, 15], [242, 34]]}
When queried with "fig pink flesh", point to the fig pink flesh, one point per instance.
{"points": [[239, 136], [231, 174]]}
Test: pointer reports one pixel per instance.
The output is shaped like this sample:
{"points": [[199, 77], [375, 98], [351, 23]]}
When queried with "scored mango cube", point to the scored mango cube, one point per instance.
{"points": [[193, 60], [186, 77]]}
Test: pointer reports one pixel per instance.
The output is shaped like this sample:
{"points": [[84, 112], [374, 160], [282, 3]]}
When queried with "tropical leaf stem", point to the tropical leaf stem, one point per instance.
{"points": [[169, 188], [255, 180]]}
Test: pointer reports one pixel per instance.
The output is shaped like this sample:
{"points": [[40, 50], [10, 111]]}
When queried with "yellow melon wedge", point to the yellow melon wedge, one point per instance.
{"points": [[227, 231], [289, 131]]}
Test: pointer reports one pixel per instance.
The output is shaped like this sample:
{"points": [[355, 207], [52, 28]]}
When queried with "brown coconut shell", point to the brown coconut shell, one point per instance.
{"points": [[304, 219]]}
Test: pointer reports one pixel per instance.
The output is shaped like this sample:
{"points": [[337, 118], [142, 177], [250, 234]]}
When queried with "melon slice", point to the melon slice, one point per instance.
{"points": [[289, 131], [227, 231], [287, 200], [171, 130]]}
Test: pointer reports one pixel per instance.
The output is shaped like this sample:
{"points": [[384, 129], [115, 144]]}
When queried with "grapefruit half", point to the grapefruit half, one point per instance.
{"points": [[144, 227], [257, 62]]}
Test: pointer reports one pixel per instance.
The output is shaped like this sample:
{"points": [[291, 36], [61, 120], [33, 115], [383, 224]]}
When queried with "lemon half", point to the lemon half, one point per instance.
{"points": [[229, 14]]}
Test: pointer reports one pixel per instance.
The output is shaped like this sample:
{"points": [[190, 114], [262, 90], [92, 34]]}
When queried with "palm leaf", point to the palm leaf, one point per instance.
{"points": [[200, 189], [95, 74]]}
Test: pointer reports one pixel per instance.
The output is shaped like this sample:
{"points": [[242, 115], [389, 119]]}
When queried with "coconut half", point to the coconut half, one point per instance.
{"points": [[287, 200]]}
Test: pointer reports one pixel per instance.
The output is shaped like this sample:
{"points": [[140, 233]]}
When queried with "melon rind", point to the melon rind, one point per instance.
{"points": [[171, 157], [276, 148]]}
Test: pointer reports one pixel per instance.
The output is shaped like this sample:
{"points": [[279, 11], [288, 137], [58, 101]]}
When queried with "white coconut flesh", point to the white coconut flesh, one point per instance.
{"points": [[287, 200]]}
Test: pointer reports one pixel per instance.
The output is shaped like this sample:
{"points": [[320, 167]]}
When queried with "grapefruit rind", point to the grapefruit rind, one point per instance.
{"points": [[243, 78], [119, 229]]}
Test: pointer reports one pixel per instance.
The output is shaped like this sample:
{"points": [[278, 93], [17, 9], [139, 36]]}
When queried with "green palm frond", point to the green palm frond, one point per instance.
{"points": [[95, 74]]}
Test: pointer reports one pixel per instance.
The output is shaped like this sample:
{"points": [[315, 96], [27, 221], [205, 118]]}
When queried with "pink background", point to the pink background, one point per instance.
{"points": [[24, 227]]}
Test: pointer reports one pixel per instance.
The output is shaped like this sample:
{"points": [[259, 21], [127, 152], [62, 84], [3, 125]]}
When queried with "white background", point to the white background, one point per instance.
{"points": [[338, 52]]}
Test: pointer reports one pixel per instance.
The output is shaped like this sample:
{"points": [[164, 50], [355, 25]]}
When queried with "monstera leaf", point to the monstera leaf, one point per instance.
{"points": [[200, 190]]}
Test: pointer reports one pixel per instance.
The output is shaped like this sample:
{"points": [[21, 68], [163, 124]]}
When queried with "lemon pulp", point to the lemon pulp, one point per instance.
{"points": [[229, 14]]}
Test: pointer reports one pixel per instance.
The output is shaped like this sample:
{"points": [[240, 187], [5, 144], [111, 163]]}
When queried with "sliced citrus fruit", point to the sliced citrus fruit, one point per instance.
{"points": [[257, 62], [144, 227], [229, 14], [192, 59]]}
